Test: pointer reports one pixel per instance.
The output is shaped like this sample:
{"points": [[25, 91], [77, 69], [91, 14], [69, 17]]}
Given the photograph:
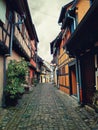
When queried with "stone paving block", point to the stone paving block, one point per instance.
{"points": [[47, 108]]}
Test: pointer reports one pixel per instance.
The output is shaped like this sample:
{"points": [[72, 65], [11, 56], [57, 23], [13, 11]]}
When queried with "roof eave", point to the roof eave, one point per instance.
{"points": [[63, 11]]}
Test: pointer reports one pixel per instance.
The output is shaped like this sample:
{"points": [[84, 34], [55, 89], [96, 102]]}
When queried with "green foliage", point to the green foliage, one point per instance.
{"points": [[16, 73], [21, 89]]}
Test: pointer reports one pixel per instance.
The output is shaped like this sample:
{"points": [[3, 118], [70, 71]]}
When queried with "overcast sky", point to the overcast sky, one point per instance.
{"points": [[45, 14]]}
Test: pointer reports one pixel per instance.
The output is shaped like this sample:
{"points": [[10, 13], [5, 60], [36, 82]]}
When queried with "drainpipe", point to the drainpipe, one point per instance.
{"points": [[12, 30], [7, 55], [10, 51], [78, 83], [11, 39], [4, 81], [73, 20], [4, 66]]}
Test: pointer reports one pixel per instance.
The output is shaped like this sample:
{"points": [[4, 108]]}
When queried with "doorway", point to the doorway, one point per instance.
{"points": [[73, 82]]}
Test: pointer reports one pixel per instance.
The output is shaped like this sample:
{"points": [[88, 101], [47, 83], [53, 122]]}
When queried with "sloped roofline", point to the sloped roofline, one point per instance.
{"points": [[63, 11], [21, 7]]}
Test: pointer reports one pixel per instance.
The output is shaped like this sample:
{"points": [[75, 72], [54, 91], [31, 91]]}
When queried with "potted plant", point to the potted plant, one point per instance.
{"points": [[11, 93], [15, 78]]}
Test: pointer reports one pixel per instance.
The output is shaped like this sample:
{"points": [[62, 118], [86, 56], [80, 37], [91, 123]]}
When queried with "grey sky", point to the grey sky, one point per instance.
{"points": [[45, 14]]}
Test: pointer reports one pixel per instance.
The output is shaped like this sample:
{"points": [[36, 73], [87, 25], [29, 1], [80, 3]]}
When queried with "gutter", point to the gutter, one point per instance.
{"points": [[73, 6], [73, 20]]}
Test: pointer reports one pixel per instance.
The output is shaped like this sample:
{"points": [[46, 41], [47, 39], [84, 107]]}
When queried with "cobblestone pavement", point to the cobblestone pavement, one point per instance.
{"points": [[47, 108]]}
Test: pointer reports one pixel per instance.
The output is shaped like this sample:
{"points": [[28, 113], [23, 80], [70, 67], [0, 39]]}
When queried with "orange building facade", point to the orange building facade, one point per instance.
{"points": [[74, 66], [73, 16], [66, 64], [83, 45]]}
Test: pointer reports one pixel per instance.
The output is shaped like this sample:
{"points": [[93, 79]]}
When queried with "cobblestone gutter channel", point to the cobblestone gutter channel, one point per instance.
{"points": [[81, 117], [46, 108], [11, 117], [66, 108]]}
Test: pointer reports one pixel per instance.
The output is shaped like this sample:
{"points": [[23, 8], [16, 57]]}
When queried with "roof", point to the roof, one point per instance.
{"points": [[66, 21], [56, 42], [39, 59], [46, 66], [51, 46], [63, 11]]}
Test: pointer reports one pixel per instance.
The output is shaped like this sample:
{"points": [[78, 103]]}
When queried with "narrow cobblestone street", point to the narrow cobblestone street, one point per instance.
{"points": [[47, 108]]}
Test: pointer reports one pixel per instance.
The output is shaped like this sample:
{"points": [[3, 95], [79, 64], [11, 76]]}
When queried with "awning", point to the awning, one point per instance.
{"points": [[86, 33]]}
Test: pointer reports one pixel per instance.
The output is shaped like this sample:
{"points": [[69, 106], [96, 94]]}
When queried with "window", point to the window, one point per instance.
{"points": [[24, 31], [71, 27], [63, 70], [2, 11], [29, 44], [73, 24], [19, 25], [59, 72], [58, 51]]}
